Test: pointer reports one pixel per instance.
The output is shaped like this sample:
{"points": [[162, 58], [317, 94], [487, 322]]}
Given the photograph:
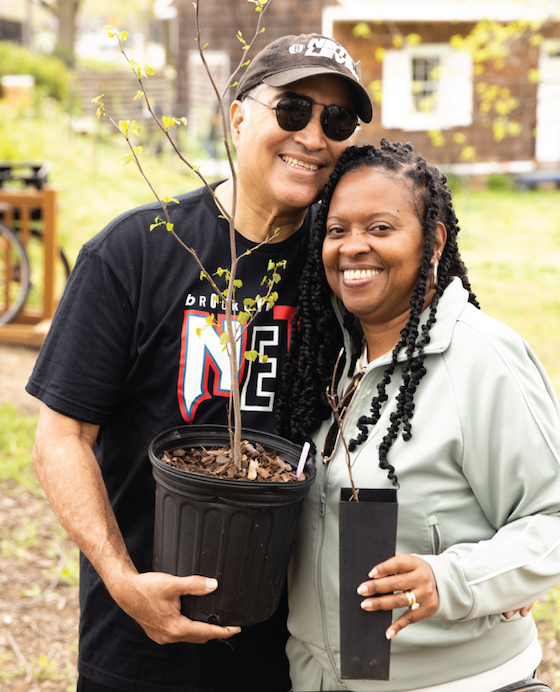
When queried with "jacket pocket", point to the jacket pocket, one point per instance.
{"points": [[436, 538]]}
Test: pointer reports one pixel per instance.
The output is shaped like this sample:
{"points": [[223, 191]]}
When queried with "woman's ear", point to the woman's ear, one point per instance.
{"points": [[441, 239], [236, 119]]}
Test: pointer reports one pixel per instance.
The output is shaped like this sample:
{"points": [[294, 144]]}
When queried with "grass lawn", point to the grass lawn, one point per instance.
{"points": [[510, 242]]}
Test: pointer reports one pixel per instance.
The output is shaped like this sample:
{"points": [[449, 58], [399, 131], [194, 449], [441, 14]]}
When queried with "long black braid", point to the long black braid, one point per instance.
{"points": [[316, 343]]}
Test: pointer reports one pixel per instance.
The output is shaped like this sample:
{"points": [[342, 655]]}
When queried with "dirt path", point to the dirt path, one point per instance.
{"points": [[38, 570], [16, 364]]}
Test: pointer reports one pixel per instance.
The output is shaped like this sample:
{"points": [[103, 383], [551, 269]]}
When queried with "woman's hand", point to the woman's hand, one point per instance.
{"points": [[414, 585]]}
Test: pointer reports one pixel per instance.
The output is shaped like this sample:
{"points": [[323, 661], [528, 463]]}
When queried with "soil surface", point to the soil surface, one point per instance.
{"points": [[38, 593], [256, 464]]}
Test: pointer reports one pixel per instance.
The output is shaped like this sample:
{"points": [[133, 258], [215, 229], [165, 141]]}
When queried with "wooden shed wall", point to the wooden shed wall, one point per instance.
{"points": [[479, 134], [221, 21]]}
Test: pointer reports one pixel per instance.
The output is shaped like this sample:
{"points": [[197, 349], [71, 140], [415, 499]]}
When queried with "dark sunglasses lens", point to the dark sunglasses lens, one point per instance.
{"points": [[293, 114], [338, 123]]}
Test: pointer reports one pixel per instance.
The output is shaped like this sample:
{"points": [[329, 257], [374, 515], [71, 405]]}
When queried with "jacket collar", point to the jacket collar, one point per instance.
{"points": [[451, 305]]}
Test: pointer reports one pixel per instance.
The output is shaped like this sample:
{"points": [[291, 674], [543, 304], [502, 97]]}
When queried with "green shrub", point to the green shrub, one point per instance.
{"points": [[51, 74], [21, 135], [455, 182], [500, 181]]}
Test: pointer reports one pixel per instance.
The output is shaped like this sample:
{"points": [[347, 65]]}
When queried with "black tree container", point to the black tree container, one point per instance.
{"points": [[239, 532]]}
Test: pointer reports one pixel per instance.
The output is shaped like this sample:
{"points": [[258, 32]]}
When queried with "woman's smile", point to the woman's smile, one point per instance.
{"points": [[359, 276]]}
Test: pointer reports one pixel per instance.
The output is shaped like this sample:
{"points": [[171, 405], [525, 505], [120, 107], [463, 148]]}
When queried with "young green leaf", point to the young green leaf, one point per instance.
{"points": [[158, 222], [134, 128]]}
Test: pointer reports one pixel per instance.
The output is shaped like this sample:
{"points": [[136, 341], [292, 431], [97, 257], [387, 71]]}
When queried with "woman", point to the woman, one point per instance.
{"points": [[452, 407]]}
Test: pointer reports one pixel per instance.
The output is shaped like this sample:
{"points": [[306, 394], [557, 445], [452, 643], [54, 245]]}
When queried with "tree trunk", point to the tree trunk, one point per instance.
{"points": [[67, 13]]}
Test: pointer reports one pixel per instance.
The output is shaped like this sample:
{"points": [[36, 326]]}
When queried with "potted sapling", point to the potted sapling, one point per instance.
{"points": [[228, 499]]}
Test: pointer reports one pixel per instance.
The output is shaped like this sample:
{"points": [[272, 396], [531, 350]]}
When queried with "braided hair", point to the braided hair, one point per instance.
{"points": [[315, 346]]}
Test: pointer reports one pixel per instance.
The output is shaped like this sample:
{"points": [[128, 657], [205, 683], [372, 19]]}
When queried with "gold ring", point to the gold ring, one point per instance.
{"points": [[412, 603]]}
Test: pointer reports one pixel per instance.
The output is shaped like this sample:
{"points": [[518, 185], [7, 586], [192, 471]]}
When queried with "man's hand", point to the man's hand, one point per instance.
{"points": [[153, 600], [522, 611]]}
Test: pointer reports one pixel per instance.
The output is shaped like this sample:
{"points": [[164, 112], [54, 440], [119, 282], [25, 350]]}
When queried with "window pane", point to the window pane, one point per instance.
{"points": [[425, 83]]}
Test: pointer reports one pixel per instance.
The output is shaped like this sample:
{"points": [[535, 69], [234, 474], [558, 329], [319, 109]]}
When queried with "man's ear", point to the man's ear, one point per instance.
{"points": [[236, 119]]}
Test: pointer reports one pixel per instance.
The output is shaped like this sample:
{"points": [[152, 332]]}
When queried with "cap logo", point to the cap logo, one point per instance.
{"points": [[297, 48], [327, 48]]}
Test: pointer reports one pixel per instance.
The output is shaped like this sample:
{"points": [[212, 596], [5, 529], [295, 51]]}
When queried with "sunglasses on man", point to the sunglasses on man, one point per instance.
{"points": [[293, 113]]}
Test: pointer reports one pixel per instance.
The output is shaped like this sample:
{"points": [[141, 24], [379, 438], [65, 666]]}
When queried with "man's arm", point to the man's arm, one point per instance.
{"points": [[64, 461]]}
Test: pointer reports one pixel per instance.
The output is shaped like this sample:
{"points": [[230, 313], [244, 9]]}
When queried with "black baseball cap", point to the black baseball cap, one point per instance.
{"points": [[291, 58]]}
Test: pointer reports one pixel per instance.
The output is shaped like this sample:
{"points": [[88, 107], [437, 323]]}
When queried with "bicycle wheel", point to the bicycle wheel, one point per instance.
{"points": [[35, 233], [14, 275]]}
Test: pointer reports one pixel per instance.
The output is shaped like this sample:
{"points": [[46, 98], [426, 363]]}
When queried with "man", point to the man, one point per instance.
{"points": [[121, 364]]}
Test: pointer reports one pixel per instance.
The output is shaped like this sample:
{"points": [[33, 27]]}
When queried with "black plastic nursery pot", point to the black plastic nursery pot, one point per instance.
{"points": [[367, 536], [239, 532]]}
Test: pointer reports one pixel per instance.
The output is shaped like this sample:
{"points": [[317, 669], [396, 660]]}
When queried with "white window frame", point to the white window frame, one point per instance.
{"points": [[547, 148], [454, 105]]}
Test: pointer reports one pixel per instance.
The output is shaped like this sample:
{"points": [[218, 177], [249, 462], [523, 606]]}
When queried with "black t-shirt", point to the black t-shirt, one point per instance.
{"points": [[123, 352]]}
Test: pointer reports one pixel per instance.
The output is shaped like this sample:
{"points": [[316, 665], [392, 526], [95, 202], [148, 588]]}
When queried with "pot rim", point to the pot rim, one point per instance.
{"points": [[177, 432]]}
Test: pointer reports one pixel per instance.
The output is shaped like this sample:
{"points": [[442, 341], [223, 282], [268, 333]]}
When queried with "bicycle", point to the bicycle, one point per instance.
{"points": [[15, 276], [15, 258]]}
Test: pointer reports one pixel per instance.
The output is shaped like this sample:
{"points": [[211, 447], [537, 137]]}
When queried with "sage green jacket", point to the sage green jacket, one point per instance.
{"points": [[479, 500]]}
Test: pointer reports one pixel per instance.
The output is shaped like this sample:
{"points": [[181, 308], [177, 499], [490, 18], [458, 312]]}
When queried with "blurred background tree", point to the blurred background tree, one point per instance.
{"points": [[66, 13]]}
